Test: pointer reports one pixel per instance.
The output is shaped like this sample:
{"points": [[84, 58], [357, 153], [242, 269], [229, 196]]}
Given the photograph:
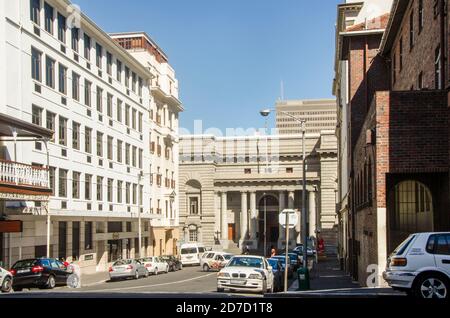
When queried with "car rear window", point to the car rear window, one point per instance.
{"points": [[25, 264], [122, 262], [201, 249], [191, 250], [403, 246]]}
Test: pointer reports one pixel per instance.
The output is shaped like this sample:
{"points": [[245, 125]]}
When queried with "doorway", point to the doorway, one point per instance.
{"points": [[114, 250], [270, 205], [232, 232]]}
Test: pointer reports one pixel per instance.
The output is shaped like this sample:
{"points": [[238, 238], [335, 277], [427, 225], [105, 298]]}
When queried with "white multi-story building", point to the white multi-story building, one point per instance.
{"points": [[59, 70]]}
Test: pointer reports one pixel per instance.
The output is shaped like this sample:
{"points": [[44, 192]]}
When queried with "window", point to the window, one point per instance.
{"points": [[134, 194], [99, 144], [420, 81], [127, 115], [127, 193], [128, 227], [75, 240], [109, 149], [87, 93], [51, 121], [62, 183], [248, 171], [88, 236], [140, 122], [119, 71], [62, 79], [141, 153], [133, 118], [36, 117], [110, 190], [35, 11], [411, 30], [62, 239], [76, 135], [193, 206], [140, 86], [62, 131], [127, 77], [50, 72], [193, 237], [289, 170], [109, 63], [119, 110], [119, 151], [36, 65], [127, 154], [61, 28], [133, 156], [88, 187], [421, 21], [115, 227], [87, 47], [133, 83], [119, 191], [109, 105], [52, 172], [98, 55], [99, 99], [99, 188], [88, 140], [141, 194], [49, 16], [76, 185], [75, 39], [437, 68], [75, 86]]}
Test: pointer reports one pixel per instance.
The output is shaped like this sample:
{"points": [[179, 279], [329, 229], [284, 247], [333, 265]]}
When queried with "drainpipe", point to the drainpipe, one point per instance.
{"points": [[443, 47]]}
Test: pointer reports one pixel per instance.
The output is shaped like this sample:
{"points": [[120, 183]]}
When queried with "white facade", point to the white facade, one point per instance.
{"points": [[100, 156]]}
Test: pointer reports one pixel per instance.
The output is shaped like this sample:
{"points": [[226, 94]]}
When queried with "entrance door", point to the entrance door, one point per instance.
{"points": [[231, 232], [115, 250]]}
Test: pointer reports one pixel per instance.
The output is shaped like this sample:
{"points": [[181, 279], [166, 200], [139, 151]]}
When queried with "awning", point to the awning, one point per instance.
{"points": [[24, 129]]}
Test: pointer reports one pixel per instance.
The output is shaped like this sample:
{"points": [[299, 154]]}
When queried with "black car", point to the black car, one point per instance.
{"points": [[39, 273], [174, 263]]}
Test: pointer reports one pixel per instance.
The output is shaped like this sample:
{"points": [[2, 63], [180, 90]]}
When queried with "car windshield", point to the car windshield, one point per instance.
{"points": [[403, 246], [189, 250], [246, 262], [122, 262], [228, 256], [25, 263]]}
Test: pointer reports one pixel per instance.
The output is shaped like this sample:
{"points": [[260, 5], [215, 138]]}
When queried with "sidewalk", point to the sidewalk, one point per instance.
{"points": [[94, 279], [326, 279]]}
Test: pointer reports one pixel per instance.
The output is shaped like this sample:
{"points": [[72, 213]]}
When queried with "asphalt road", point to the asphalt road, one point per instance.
{"points": [[189, 280]]}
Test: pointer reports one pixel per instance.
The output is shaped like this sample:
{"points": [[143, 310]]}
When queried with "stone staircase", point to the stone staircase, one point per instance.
{"points": [[233, 249]]}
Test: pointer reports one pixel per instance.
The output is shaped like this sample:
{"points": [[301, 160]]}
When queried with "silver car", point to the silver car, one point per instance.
{"points": [[5, 281], [127, 268]]}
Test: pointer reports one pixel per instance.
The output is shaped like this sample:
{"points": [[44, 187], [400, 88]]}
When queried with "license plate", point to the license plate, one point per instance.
{"points": [[237, 282], [189, 257], [119, 269], [22, 271]]}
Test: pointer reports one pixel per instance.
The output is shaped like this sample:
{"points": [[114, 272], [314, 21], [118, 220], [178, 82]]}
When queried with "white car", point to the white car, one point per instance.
{"points": [[246, 273], [420, 266], [214, 260], [5, 281], [191, 253], [155, 265]]}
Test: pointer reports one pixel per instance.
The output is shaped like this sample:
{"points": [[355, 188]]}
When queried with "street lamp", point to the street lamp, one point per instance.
{"points": [[266, 113]]}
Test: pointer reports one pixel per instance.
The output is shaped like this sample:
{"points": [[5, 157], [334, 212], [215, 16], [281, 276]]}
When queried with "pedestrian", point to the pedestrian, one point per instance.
{"points": [[246, 250], [273, 251]]}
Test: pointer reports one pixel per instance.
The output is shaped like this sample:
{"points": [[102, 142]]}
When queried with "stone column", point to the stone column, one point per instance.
{"points": [[282, 205], [291, 206], [253, 215], [224, 216], [312, 214], [244, 216]]}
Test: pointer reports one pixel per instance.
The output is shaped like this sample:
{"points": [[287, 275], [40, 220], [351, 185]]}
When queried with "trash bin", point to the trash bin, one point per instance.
{"points": [[303, 278]]}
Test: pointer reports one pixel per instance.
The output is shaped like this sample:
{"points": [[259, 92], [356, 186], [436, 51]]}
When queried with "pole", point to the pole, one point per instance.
{"points": [[287, 252], [305, 241], [265, 220], [48, 234], [49, 224], [140, 222]]}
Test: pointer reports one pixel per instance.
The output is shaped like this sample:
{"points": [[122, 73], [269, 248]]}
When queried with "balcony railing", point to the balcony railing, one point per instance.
{"points": [[22, 174]]}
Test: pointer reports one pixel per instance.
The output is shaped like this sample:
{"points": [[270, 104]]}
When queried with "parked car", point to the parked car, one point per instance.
{"points": [[127, 268], [174, 263], [39, 273], [214, 260], [282, 259], [278, 274], [155, 265], [420, 266], [6, 280], [246, 273], [299, 250], [191, 253]]}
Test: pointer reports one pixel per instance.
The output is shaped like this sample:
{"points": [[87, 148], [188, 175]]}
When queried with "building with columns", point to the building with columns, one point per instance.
{"points": [[233, 188]]}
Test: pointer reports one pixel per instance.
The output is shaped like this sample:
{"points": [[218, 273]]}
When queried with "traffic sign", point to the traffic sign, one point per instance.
{"points": [[292, 218]]}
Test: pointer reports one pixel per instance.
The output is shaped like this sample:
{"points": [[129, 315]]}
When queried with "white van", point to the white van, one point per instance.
{"points": [[191, 253]]}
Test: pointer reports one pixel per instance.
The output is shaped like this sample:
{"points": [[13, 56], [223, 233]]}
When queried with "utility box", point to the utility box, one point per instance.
{"points": [[303, 278]]}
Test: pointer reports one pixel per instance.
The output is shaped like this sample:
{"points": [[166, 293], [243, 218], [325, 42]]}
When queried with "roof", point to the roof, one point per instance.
{"points": [[398, 12], [139, 33], [373, 24]]}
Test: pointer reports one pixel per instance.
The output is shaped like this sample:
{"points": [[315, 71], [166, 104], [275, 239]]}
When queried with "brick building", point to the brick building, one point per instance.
{"points": [[398, 130]]}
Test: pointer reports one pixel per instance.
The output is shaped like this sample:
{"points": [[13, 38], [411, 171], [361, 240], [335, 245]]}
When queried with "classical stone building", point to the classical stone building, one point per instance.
{"points": [[232, 188]]}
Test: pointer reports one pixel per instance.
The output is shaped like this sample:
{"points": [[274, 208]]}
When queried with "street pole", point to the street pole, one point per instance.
{"points": [[265, 220], [286, 256], [304, 223]]}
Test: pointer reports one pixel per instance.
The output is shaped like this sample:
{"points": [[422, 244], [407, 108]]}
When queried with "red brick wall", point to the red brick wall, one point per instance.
{"points": [[421, 57]]}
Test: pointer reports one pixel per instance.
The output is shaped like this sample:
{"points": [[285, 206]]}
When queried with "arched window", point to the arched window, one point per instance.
{"points": [[193, 233]]}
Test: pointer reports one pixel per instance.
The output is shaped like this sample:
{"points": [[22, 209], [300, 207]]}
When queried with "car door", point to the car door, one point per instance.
{"points": [[442, 252], [56, 271]]}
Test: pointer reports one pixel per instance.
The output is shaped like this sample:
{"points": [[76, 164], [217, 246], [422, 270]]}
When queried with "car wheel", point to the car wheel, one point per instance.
{"points": [[7, 285], [264, 288], [271, 289], [51, 282], [205, 268], [167, 269], [432, 286], [136, 275], [146, 273]]}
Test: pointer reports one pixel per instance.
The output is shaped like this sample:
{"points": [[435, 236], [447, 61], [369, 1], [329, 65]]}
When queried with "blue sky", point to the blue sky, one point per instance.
{"points": [[230, 56]]}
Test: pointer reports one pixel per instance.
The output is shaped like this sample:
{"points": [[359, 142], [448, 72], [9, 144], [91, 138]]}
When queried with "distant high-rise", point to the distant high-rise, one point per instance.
{"points": [[319, 114]]}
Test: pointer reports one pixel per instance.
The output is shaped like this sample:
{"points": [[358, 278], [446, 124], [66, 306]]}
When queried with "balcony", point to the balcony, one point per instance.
{"points": [[20, 174]]}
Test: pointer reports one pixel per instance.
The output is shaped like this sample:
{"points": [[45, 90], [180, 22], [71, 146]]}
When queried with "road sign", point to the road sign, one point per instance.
{"points": [[292, 218]]}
